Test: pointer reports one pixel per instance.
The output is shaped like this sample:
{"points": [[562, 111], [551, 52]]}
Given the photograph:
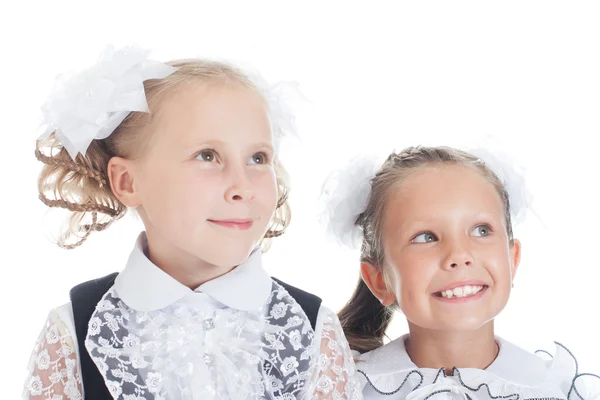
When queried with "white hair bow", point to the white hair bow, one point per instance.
{"points": [[345, 193], [92, 103]]}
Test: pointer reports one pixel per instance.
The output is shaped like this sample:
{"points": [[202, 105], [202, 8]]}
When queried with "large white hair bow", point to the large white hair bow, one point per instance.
{"points": [[92, 103], [344, 196]]}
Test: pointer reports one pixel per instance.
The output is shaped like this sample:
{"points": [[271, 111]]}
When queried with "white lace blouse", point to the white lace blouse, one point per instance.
{"points": [[239, 336]]}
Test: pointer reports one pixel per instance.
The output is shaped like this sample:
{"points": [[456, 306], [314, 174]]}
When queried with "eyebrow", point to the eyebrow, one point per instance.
{"points": [[265, 145], [487, 216], [417, 224], [220, 143]]}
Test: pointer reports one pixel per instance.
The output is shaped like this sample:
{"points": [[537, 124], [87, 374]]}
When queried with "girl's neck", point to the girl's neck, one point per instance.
{"points": [[443, 349], [186, 268]]}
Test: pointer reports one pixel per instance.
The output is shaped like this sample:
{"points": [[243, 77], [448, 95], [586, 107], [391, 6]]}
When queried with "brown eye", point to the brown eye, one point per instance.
{"points": [[207, 155], [258, 158]]}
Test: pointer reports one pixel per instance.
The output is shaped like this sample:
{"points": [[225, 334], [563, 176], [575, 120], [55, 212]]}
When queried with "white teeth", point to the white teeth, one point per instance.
{"points": [[462, 291]]}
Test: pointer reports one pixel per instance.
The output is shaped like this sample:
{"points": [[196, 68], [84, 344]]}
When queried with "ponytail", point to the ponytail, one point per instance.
{"points": [[364, 319]]}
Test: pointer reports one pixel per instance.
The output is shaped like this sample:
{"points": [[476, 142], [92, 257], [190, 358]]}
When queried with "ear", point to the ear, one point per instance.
{"points": [[120, 174], [515, 257], [374, 279]]}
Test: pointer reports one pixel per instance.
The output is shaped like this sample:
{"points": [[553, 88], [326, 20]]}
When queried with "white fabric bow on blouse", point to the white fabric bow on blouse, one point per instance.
{"points": [[444, 385]]}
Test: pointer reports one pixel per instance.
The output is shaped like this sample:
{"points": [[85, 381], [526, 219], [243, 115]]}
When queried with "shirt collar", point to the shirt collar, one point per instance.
{"points": [[516, 365], [145, 287], [512, 364]]}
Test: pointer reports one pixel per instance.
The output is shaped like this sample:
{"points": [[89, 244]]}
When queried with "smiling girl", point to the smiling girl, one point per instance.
{"points": [[438, 245]]}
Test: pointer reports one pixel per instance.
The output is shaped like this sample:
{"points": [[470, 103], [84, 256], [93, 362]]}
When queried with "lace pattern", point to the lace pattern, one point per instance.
{"points": [[335, 376], [53, 370], [196, 348]]}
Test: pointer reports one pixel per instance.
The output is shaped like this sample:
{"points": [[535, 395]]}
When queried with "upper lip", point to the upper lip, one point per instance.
{"points": [[233, 220], [470, 282]]}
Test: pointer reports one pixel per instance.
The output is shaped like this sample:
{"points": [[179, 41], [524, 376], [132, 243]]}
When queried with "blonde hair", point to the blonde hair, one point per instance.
{"points": [[82, 186], [364, 319]]}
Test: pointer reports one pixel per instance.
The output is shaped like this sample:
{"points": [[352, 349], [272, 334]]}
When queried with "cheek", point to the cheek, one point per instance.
{"points": [[497, 262], [412, 278], [181, 189], [265, 188], [420, 267], [148, 184]]}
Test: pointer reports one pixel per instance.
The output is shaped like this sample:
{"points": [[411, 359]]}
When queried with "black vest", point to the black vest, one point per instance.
{"points": [[85, 297]]}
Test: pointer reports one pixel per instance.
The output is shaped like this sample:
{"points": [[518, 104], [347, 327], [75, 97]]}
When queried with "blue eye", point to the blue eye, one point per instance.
{"points": [[481, 231], [426, 237], [207, 155], [259, 158]]}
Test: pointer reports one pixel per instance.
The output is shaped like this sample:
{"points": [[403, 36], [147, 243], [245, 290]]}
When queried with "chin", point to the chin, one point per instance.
{"points": [[228, 256], [466, 324]]}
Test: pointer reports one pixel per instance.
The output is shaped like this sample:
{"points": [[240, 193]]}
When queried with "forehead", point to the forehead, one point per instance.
{"points": [[213, 108], [443, 190]]}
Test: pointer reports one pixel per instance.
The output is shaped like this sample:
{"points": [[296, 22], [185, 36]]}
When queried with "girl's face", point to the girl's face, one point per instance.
{"points": [[206, 187], [448, 261]]}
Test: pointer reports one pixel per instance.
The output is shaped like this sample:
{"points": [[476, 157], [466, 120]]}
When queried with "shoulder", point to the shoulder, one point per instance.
{"points": [[86, 296], [309, 302], [519, 366], [94, 285], [62, 318], [390, 358], [298, 293], [327, 321], [557, 369], [64, 314], [60, 323], [563, 369]]}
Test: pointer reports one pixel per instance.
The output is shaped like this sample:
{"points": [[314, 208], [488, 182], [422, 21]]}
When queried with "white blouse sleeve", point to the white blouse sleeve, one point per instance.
{"points": [[53, 371], [335, 374]]}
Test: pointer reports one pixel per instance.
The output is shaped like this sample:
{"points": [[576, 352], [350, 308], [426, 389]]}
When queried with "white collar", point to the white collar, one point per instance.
{"points": [[513, 364], [145, 287]]}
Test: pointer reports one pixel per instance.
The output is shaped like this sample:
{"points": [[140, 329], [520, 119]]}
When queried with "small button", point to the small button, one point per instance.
{"points": [[208, 324], [208, 358]]}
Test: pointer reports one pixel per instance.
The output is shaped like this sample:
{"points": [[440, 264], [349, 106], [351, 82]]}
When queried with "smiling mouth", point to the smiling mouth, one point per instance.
{"points": [[461, 292], [241, 224]]}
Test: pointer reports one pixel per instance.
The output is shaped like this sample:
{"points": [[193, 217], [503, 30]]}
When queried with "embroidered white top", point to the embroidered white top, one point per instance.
{"points": [[239, 336], [515, 374]]}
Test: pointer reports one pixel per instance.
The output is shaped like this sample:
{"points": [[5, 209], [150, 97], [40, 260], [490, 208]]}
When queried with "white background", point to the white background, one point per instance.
{"points": [[377, 77]]}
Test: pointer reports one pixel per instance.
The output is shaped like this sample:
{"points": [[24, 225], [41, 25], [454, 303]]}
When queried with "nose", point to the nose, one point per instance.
{"points": [[458, 255], [239, 186]]}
